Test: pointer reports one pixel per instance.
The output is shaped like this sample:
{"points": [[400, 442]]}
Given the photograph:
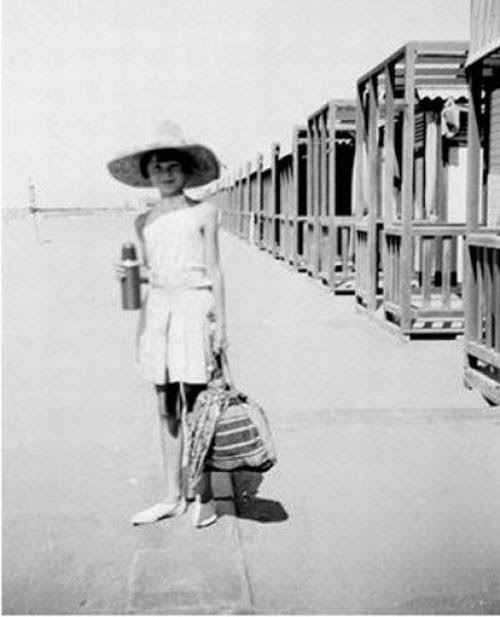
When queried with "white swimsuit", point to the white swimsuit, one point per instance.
{"points": [[175, 335]]}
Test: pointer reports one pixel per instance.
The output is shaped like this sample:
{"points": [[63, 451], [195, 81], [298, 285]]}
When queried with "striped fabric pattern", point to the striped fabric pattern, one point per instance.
{"points": [[242, 437]]}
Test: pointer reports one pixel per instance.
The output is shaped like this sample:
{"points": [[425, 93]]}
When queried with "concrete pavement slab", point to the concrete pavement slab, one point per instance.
{"points": [[385, 514], [191, 572]]}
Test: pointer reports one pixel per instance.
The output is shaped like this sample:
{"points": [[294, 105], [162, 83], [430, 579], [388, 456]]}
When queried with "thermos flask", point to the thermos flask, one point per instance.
{"points": [[131, 282]]}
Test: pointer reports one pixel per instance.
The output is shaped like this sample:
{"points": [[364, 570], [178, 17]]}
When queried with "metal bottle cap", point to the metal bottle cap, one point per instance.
{"points": [[129, 252]]}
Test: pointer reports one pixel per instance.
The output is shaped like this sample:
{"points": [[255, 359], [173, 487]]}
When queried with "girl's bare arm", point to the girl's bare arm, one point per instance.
{"points": [[211, 232], [140, 221]]}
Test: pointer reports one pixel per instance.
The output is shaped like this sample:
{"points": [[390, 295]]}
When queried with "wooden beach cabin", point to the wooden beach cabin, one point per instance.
{"points": [[290, 215], [224, 198], [482, 255], [266, 206], [410, 171], [281, 199], [328, 230]]}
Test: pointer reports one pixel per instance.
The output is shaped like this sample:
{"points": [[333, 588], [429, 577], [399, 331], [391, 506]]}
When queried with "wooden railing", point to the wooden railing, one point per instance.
{"points": [[368, 263], [482, 343], [363, 274], [266, 215], [285, 231], [435, 279], [343, 259]]}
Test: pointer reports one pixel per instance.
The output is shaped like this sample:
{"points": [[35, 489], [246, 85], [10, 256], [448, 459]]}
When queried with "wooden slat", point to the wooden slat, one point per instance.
{"points": [[472, 296], [446, 272], [379, 68], [488, 387], [458, 81], [484, 239], [455, 60], [426, 244], [484, 353], [488, 296], [480, 295], [435, 48]]}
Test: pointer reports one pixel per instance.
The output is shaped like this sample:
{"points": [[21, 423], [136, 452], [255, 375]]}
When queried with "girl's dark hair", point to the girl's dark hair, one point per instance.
{"points": [[166, 154]]}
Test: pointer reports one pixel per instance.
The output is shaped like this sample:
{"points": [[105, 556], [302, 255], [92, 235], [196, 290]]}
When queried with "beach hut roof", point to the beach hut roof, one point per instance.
{"points": [[485, 32]]}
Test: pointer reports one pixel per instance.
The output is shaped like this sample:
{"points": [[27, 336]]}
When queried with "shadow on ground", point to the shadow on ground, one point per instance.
{"points": [[248, 505]]}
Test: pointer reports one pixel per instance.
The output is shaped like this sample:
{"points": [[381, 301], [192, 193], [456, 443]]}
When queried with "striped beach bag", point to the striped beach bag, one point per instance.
{"points": [[242, 437]]}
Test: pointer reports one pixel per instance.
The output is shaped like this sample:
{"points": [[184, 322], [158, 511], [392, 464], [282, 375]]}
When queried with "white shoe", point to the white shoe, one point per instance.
{"points": [[204, 514], [159, 511]]}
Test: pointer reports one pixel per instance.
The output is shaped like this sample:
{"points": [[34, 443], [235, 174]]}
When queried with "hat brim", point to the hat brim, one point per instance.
{"points": [[127, 167]]}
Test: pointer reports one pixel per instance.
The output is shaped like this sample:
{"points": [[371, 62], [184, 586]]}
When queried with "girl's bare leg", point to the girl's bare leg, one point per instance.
{"points": [[204, 488], [170, 440]]}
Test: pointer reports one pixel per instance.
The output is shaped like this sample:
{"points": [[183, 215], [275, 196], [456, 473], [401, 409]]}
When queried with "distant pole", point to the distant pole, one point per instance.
{"points": [[33, 208]]}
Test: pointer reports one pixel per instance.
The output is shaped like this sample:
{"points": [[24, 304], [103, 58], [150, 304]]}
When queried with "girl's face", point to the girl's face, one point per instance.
{"points": [[168, 176]]}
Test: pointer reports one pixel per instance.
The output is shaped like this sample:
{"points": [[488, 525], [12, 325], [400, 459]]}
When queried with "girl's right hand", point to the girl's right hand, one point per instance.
{"points": [[119, 272]]}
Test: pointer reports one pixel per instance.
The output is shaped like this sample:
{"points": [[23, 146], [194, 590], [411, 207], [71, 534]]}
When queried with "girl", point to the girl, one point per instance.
{"points": [[182, 322]]}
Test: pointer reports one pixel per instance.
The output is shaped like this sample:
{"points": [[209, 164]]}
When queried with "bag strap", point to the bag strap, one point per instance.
{"points": [[223, 364]]}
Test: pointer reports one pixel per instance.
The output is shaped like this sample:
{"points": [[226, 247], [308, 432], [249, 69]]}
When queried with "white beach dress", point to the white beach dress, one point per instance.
{"points": [[176, 325]]}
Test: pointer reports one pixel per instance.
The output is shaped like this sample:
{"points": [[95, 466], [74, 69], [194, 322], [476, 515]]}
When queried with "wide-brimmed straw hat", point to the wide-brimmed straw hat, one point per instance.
{"points": [[205, 166]]}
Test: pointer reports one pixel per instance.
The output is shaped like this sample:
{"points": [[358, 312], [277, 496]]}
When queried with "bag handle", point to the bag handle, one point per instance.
{"points": [[223, 365]]}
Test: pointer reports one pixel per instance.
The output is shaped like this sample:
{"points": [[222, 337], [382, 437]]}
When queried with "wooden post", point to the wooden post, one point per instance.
{"points": [[308, 233], [295, 197], [248, 203], [373, 184], [407, 188], [258, 205], [315, 199], [234, 205], [237, 202], [275, 154], [331, 144], [323, 245], [361, 137], [242, 203], [231, 203], [389, 149], [472, 203]]}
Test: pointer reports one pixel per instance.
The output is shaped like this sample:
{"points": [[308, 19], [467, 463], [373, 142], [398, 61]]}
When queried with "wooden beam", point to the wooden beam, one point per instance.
{"points": [[389, 155], [472, 203], [295, 195], [373, 192], [248, 212], [258, 205], [332, 158], [361, 137], [275, 153], [407, 188], [316, 199], [399, 54]]}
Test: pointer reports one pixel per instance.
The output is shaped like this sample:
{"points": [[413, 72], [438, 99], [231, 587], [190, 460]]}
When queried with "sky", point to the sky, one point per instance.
{"points": [[83, 80]]}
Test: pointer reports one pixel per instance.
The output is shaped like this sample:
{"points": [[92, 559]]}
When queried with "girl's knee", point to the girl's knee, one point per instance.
{"points": [[168, 401]]}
